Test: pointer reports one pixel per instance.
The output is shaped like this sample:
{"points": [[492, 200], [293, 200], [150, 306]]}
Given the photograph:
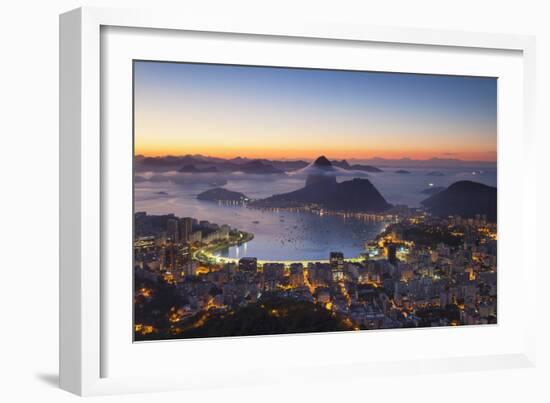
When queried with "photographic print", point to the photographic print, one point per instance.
{"points": [[275, 200]]}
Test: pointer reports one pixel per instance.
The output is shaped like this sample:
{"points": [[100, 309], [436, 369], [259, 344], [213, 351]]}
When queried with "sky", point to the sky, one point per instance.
{"points": [[273, 112]]}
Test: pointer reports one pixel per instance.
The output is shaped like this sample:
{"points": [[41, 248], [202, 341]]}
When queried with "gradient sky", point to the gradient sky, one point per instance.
{"points": [[269, 112]]}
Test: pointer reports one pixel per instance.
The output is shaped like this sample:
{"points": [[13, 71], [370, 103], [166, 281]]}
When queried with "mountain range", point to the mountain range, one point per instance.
{"points": [[202, 164]]}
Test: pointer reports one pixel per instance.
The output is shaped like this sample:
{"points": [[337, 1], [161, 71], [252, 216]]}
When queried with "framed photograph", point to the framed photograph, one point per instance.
{"points": [[290, 200]]}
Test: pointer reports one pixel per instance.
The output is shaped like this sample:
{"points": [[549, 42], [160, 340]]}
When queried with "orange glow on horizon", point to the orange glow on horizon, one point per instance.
{"points": [[312, 153], [289, 114]]}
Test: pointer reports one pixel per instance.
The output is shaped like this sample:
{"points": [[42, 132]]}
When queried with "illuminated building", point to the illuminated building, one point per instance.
{"points": [[273, 274], [190, 269], [297, 275], [323, 295], [172, 229], [173, 257], [275, 271], [195, 237], [392, 253], [183, 254], [220, 234], [144, 244], [248, 264], [319, 274], [168, 258], [186, 227], [337, 265], [371, 249], [224, 232]]}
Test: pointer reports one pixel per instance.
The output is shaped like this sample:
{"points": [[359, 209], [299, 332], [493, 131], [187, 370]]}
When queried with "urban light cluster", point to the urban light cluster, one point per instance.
{"points": [[420, 271]]}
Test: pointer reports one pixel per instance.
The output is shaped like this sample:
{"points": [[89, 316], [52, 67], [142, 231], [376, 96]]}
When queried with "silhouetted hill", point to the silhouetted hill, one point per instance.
{"points": [[402, 171], [354, 195], [319, 179], [221, 194], [322, 162], [341, 164], [345, 165], [270, 315], [464, 198], [432, 190]]}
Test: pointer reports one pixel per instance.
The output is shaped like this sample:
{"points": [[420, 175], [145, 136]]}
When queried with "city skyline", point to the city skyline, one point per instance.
{"points": [[287, 113]]}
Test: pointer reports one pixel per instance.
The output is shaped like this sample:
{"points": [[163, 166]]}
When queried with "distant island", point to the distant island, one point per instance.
{"points": [[402, 171], [464, 198], [221, 194], [323, 189]]}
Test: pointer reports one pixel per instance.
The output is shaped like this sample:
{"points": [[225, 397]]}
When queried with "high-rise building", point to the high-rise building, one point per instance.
{"points": [[297, 275], [248, 264], [392, 253], [337, 265], [274, 271], [186, 227], [172, 229], [195, 237], [224, 231], [319, 274], [169, 258], [183, 254]]}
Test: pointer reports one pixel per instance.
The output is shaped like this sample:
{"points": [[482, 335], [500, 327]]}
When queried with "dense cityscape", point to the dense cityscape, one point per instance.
{"points": [[421, 271]]}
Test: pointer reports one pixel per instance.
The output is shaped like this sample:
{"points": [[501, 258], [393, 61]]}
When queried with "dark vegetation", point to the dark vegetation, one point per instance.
{"points": [[431, 235], [272, 314], [464, 198]]}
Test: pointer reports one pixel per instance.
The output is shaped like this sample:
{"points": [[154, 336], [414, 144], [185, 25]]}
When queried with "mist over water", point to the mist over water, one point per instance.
{"points": [[407, 188], [290, 235]]}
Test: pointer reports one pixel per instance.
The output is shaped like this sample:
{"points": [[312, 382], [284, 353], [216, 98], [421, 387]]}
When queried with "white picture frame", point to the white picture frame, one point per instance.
{"points": [[86, 182]]}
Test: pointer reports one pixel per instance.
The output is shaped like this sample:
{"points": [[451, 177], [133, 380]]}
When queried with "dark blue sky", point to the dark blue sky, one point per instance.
{"points": [[198, 107]]}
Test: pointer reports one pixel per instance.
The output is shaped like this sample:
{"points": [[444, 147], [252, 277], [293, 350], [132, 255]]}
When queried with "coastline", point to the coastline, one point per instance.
{"points": [[208, 254], [209, 251]]}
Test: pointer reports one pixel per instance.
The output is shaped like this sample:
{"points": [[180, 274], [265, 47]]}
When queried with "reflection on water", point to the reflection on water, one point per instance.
{"points": [[294, 235], [306, 236]]}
